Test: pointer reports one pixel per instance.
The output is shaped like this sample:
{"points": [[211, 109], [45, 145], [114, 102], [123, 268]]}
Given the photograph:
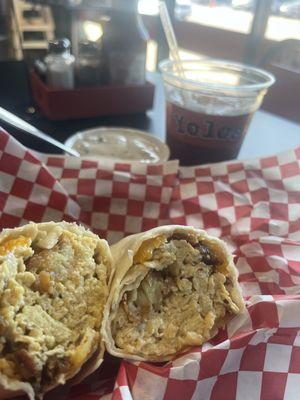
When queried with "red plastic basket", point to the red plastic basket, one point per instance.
{"points": [[60, 104]]}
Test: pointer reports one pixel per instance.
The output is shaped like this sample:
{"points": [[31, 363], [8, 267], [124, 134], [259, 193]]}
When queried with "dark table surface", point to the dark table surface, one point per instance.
{"points": [[267, 134]]}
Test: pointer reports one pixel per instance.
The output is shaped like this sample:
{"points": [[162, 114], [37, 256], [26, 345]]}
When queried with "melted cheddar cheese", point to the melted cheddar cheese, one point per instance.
{"points": [[145, 251], [13, 244]]}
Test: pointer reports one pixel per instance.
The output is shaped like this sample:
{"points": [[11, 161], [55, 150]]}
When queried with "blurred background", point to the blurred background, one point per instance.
{"points": [[264, 33]]}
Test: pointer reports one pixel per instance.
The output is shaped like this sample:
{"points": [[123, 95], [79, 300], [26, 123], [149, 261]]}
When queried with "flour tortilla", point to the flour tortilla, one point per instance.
{"points": [[45, 236], [124, 274]]}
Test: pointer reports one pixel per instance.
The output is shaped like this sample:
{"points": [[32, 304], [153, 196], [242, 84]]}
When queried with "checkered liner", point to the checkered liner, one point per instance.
{"points": [[253, 205]]}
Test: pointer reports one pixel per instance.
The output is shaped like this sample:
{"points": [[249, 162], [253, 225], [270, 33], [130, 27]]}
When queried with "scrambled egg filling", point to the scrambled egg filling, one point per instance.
{"points": [[51, 304], [182, 297]]}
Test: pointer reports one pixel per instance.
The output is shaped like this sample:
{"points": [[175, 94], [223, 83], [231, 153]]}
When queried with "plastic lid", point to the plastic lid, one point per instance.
{"points": [[59, 46], [209, 74], [88, 48], [119, 145]]}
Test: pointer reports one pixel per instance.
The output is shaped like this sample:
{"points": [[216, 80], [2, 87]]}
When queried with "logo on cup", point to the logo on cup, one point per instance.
{"points": [[206, 128]]}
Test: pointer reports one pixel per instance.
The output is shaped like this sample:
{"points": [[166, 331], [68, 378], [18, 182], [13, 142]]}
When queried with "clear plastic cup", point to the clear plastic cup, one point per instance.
{"points": [[210, 104]]}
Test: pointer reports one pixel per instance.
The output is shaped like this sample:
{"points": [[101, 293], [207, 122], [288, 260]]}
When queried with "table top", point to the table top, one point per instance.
{"points": [[267, 134]]}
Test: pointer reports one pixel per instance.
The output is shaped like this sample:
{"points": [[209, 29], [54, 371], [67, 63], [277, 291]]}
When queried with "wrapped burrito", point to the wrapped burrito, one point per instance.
{"points": [[53, 289], [173, 287]]}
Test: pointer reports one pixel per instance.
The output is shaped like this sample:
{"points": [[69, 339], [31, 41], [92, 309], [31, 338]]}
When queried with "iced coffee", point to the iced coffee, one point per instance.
{"points": [[210, 104]]}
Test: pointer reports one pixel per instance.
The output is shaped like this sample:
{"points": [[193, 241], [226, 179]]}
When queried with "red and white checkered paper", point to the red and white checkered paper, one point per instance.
{"points": [[253, 205]]}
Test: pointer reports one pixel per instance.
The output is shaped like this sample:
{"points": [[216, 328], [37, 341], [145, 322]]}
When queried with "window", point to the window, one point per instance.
{"points": [[284, 21], [235, 15]]}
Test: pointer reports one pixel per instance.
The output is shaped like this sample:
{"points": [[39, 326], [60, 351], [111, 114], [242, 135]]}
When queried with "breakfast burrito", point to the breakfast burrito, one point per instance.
{"points": [[173, 287], [53, 289]]}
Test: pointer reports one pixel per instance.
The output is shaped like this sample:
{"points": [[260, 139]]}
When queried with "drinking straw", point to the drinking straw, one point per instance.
{"points": [[171, 38]]}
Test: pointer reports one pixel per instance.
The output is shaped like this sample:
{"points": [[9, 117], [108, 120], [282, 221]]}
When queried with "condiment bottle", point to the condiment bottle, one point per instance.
{"points": [[125, 44], [60, 65]]}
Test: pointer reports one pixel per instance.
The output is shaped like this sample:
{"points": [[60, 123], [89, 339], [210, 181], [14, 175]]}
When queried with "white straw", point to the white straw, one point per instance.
{"points": [[170, 35]]}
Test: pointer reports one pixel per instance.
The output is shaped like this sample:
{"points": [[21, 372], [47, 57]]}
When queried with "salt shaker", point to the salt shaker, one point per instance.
{"points": [[60, 65]]}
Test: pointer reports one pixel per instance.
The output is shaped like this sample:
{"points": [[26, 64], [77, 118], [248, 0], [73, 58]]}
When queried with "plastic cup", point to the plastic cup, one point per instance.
{"points": [[210, 104]]}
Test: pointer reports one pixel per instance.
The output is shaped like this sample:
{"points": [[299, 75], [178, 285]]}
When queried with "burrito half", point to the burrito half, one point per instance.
{"points": [[173, 287], [53, 288]]}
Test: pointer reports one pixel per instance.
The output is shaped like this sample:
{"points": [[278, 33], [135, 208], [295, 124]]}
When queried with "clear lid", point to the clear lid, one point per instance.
{"points": [[119, 144], [88, 48], [215, 75]]}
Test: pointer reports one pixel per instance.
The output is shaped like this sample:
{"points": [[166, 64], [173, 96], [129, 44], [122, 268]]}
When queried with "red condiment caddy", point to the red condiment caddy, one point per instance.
{"points": [[61, 104]]}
